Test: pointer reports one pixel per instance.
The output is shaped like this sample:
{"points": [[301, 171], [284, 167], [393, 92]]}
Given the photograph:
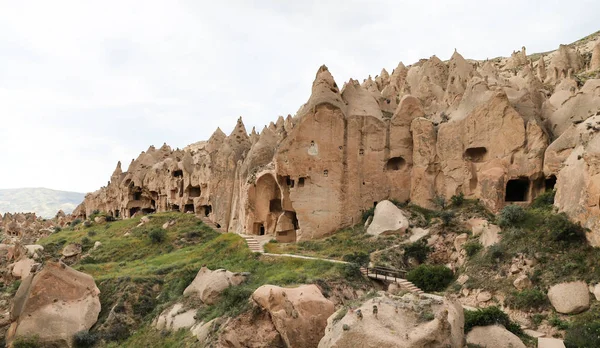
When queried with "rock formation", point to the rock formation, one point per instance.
{"points": [[299, 314], [208, 285], [435, 128], [400, 322], [54, 304]]}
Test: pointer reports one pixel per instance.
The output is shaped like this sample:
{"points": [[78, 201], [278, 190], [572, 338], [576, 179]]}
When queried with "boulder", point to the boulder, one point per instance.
{"points": [[176, 318], [494, 336], [71, 250], [490, 235], [168, 224], [522, 282], [460, 240], [208, 285], [145, 220], [388, 219], [400, 322], [34, 249], [22, 268], [97, 245], [546, 342], [100, 219], [54, 304], [299, 314], [484, 296], [570, 298]]}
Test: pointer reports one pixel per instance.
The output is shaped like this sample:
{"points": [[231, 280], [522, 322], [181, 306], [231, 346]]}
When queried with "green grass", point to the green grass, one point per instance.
{"points": [[143, 277]]}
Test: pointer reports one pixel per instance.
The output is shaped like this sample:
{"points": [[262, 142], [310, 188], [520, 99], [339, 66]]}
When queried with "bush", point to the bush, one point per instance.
{"points": [[472, 247], [91, 233], [27, 342], [417, 250], [583, 335], [233, 301], [431, 277], [440, 201], [496, 252], [75, 222], [351, 271], [544, 201], [511, 215], [490, 316], [360, 258], [458, 200], [157, 235], [531, 299], [560, 228], [447, 216], [84, 339], [368, 213]]}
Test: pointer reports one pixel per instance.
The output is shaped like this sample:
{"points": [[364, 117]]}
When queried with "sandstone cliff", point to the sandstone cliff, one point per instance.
{"points": [[481, 128]]}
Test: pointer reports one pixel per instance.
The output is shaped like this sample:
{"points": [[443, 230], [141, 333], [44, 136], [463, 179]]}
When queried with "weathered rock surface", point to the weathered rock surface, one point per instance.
{"points": [[209, 285], [72, 249], [54, 304], [494, 336], [176, 318], [388, 219], [299, 314], [570, 298], [546, 342], [401, 322], [22, 268], [498, 130]]}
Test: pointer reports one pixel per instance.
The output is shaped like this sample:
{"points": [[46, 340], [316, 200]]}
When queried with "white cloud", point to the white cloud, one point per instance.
{"points": [[84, 84]]}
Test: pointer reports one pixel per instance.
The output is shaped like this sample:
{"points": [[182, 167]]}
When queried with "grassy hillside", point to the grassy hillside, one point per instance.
{"points": [[140, 274], [44, 202]]}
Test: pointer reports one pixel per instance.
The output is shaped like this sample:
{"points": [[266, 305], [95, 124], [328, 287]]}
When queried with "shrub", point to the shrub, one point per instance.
{"points": [[27, 342], [368, 213], [57, 229], [440, 201], [110, 218], [95, 212], [511, 215], [157, 235], [560, 228], [559, 323], [431, 277], [458, 200], [84, 339], [583, 334], [447, 216], [529, 299], [544, 201], [417, 250], [490, 316], [75, 222], [472, 247], [360, 258], [496, 252], [91, 233], [351, 271]]}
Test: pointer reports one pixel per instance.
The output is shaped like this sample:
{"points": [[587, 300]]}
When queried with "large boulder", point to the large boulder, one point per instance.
{"points": [[388, 219], [72, 249], [208, 285], [299, 314], [570, 298], [494, 336], [54, 304], [400, 322], [22, 268]]}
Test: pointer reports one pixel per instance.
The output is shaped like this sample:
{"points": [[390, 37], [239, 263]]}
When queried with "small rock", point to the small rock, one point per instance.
{"points": [[533, 333], [484, 296], [99, 219], [514, 269], [522, 282], [144, 220], [127, 234], [460, 240], [545, 342], [596, 292], [72, 250], [97, 245], [462, 279], [465, 292]]}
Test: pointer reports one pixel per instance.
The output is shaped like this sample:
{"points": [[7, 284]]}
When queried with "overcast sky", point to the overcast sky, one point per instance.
{"points": [[84, 84]]}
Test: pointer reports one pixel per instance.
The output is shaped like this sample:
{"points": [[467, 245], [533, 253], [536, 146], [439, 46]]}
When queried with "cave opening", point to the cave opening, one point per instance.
{"points": [[137, 196], [550, 183], [132, 211], [189, 208], [395, 163], [147, 211], [475, 154], [517, 190], [194, 191], [207, 210], [174, 207], [178, 173]]}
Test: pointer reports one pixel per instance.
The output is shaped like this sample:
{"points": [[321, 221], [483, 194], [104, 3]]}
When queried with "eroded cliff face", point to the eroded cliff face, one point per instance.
{"points": [[431, 128]]}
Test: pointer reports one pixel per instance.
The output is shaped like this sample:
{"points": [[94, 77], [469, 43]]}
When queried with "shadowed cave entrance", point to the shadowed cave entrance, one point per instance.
{"points": [[550, 183], [395, 163], [517, 190], [475, 154]]}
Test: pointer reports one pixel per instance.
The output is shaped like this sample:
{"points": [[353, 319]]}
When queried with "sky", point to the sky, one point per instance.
{"points": [[84, 84]]}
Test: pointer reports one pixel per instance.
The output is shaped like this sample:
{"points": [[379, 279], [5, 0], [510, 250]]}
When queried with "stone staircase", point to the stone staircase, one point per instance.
{"points": [[253, 244]]}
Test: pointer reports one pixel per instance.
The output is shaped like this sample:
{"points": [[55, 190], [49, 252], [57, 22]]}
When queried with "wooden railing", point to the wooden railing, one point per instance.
{"points": [[387, 273]]}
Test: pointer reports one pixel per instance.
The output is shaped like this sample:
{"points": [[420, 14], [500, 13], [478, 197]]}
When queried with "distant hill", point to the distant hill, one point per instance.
{"points": [[44, 202]]}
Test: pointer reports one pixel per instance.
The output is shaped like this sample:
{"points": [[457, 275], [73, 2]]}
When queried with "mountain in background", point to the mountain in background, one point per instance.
{"points": [[44, 202]]}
